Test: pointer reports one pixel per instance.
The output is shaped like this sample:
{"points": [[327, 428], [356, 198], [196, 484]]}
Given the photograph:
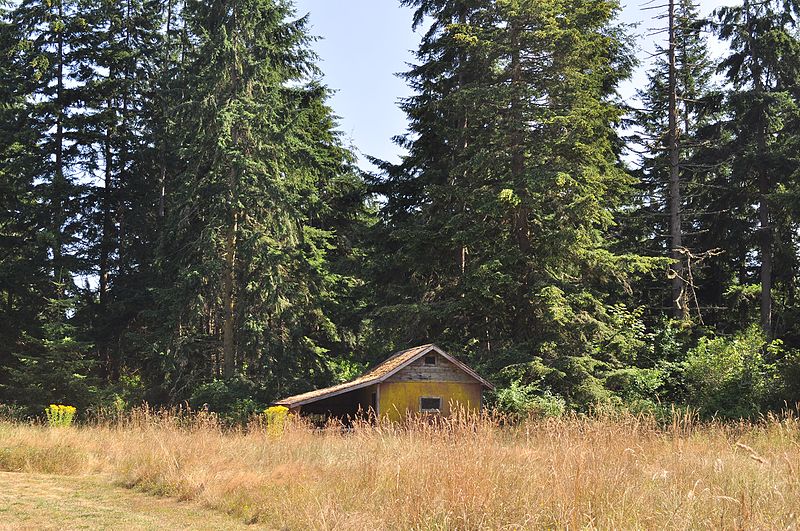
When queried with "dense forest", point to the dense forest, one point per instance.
{"points": [[182, 221]]}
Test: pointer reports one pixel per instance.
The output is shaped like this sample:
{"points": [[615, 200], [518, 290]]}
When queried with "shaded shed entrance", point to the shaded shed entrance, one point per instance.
{"points": [[347, 404]]}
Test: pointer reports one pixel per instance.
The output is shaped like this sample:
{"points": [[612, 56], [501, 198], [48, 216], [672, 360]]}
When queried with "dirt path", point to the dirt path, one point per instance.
{"points": [[37, 501]]}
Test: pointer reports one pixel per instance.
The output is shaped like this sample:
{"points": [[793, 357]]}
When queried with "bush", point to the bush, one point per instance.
{"points": [[275, 417], [729, 377], [60, 416], [547, 405], [787, 366], [580, 381], [518, 402], [633, 384], [233, 400]]}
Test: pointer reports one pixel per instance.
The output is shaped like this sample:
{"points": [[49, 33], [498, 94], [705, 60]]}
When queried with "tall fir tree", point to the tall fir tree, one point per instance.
{"points": [[52, 94], [23, 254], [248, 263], [666, 217], [761, 111], [426, 217], [45, 195], [118, 48], [497, 238]]}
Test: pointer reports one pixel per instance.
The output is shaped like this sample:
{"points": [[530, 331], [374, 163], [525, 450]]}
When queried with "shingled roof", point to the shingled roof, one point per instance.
{"points": [[378, 374]]}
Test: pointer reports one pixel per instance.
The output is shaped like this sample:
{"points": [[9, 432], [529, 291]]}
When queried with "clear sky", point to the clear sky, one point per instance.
{"points": [[364, 43]]}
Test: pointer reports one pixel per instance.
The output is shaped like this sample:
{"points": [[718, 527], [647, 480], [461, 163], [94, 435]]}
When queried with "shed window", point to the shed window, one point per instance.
{"points": [[430, 404], [430, 360]]}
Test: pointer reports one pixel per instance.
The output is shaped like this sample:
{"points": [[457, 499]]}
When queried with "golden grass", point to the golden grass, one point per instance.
{"points": [[619, 472], [37, 502]]}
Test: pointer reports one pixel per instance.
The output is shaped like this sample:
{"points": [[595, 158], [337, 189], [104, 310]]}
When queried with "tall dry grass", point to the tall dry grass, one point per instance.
{"points": [[471, 473]]}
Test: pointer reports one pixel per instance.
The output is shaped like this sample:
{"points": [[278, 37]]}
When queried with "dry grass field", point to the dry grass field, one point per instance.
{"points": [[39, 502], [622, 472]]}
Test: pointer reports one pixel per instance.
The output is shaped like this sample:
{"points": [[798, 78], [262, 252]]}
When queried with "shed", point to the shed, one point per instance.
{"points": [[423, 379]]}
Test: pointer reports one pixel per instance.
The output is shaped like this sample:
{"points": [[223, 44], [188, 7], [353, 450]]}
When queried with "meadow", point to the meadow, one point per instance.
{"points": [[576, 472]]}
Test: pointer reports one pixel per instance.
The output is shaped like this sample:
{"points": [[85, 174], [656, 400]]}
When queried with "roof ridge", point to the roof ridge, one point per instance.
{"points": [[398, 354]]}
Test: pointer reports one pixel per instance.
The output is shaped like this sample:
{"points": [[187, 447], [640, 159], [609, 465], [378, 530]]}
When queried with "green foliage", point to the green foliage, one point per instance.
{"points": [[129, 392], [265, 211], [518, 402], [52, 366], [275, 418], [234, 400], [495, 229], [60, 416], [344, 370], [729, 377], [633, 384], [788, 369], [181, 220]]}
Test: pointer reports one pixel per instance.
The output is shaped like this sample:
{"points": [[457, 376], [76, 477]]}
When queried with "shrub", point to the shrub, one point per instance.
{"points": [[729, 377], [59, 416], [275, 418], [547, 405], [787, 366], [231, 399], [633, 384], [518, 402]]}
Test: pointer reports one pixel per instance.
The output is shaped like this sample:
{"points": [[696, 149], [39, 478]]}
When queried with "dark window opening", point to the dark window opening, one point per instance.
{"points": [[430, 404], [430, 360], [374, 402]]}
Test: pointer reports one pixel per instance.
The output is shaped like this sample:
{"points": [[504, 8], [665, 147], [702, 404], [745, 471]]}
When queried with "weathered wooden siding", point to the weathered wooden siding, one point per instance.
{"points": [[401, 398], [443, 371]]}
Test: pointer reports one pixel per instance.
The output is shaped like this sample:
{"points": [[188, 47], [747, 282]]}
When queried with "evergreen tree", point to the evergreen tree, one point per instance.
{"points": [[425, 229], [761, 109], [23, 254], [525, 190], [666, 210], [117, 53], [52, 363], [179, 218], [51, 97], [251, 221], [41, 231]]}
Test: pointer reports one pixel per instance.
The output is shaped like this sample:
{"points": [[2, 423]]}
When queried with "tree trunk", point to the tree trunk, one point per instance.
{"points": [[463, 125], [124, 132], [165, 95], [522, 212], [59, 180], [229, 278], [679, 291], [521, 228], [105, 241], [765, 241], [229, 297], [764, 187]]}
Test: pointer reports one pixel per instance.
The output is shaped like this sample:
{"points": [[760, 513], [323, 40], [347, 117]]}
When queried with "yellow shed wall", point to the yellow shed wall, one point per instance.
{"points": [[397, 399]]}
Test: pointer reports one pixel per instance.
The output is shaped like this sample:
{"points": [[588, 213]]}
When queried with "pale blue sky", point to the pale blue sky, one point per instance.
{"points": [[364, 43]]}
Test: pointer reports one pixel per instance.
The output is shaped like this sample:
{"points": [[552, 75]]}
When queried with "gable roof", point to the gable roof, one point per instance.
{"points": [[378, 374]]}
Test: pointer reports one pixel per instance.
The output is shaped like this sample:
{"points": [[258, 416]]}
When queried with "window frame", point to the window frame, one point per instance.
{"points": [[430, 357], [437, 410]]}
